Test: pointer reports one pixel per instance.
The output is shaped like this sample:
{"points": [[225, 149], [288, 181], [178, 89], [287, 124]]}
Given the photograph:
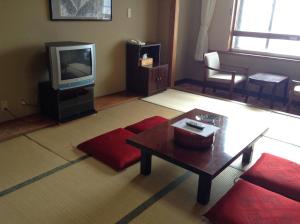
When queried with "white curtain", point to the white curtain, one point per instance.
{"points": [[207, 12]]}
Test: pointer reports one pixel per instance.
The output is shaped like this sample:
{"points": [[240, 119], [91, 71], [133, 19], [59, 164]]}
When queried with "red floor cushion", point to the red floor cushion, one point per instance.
{"points": [[146, 124], [247, 203], [112, 149], [276, 174]]}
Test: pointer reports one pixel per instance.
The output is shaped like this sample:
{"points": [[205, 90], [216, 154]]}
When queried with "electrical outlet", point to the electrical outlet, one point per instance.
{"points": [[23, 101], [4, 105]]}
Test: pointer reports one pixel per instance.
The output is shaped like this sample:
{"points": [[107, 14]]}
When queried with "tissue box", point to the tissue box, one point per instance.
{"points": [[191, 140], [146, 62]]}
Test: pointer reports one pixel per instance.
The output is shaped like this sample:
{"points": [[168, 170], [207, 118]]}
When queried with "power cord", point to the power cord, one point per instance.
{"points": [[10, 113], [24, 103]]}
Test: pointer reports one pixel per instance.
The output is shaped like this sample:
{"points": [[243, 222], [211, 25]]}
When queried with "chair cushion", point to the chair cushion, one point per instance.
{"points": [[212, 60], [225, 78], [247, 203], [276, 174], [112, 149], [146, 124]]}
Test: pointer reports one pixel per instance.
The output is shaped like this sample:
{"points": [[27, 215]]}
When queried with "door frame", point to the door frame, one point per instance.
{"points": [[173, 37]]}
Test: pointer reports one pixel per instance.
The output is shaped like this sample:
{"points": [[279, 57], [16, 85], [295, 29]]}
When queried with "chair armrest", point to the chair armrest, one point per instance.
{"points": [[296, 82], [246, 69], [232, 73], [221, 70], [292, 85]]}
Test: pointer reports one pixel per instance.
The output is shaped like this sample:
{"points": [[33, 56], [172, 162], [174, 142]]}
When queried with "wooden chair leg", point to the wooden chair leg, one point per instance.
{"points": [[289, 104], [204, 87], [288, 107]]}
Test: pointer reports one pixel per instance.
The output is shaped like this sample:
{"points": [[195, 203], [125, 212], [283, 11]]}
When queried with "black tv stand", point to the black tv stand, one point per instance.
{"points": [[65, 105]]}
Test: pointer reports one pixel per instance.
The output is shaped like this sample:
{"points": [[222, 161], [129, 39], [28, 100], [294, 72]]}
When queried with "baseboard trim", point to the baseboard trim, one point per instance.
{"points": [[191, 81], [238, 90]]}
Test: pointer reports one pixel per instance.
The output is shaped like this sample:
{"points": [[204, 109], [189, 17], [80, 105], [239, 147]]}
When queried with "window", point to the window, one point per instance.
{"points": [[267, 26]]}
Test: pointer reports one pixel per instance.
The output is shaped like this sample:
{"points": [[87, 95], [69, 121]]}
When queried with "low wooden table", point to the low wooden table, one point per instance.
{"points": [[264, 79], [231, 140]]}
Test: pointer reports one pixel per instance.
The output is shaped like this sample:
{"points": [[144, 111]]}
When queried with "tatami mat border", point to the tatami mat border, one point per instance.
{"points": [[41, 176], [141, 208]]}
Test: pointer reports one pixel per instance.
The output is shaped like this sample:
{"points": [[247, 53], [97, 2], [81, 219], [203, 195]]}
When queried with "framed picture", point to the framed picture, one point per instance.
{"points": [[81, 10]]}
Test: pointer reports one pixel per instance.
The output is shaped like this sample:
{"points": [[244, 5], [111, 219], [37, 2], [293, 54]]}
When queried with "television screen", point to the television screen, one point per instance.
{"points": [[75, 63]]}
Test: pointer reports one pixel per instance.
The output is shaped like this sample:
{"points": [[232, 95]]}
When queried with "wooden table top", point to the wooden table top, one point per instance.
{"points": [[231, 140], [268, 77]]}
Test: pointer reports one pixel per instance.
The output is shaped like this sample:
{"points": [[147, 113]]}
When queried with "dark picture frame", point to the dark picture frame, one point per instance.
{"points": [[91, 10]]}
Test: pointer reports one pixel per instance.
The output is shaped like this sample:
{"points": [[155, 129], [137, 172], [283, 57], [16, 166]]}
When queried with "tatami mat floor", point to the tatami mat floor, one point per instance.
{"points": [[179, 206], [21, 159], [64, 138], [87, 192], [45, 179], [281, 127]]}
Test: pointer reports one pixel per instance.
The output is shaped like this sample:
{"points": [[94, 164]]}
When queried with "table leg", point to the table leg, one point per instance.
{"points": [[261, 87], [204, 188], [145, 163], [244, 88], [247, 91], [247, 156], [286, 91], [273, 95]]}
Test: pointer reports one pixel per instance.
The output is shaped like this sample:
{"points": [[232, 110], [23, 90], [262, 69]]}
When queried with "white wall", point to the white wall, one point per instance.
{"points": [[26, 26], [220, 28], [188, 29], [218, 33]]}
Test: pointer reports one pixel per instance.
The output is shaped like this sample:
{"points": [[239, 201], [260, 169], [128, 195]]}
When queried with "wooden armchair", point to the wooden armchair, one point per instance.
{"points": [[294, 93], [215, 74]]}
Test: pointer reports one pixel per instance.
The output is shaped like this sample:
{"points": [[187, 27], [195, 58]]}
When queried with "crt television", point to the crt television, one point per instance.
{"points": [[71, 64]]}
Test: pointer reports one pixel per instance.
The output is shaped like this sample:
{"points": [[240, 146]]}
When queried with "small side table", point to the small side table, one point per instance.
{"points": [[264, 79]]}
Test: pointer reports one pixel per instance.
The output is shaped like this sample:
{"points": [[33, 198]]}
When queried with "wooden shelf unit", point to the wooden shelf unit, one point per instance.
{"points": [[142, 79]]}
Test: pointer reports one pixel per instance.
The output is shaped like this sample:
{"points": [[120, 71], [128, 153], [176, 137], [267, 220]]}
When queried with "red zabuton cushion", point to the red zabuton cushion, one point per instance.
{"points": [[247, 203], [112, 149], [146, 124], [276, 174]]}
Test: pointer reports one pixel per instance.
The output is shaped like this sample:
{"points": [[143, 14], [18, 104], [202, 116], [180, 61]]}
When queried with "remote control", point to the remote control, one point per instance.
{"points": [[195, 125]]}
